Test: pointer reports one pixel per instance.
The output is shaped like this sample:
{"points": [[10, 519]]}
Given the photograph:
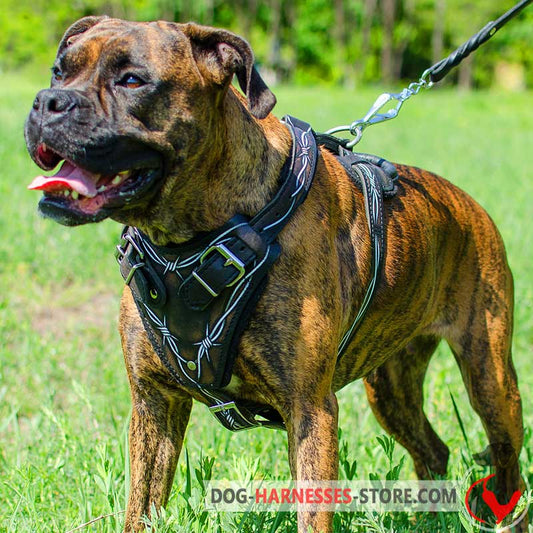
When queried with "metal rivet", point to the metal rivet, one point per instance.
{"points": [[153, 293], [191, 365]]}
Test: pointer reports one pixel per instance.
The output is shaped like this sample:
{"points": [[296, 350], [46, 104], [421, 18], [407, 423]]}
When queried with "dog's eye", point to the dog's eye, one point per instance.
{"points": [[131, 81], [57, 74]]}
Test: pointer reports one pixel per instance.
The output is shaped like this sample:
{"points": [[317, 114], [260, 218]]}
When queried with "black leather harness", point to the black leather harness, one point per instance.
{"points": [[195, 299]]}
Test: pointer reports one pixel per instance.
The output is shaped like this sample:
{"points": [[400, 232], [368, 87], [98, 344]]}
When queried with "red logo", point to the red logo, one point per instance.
{"points": [[499, 510]]}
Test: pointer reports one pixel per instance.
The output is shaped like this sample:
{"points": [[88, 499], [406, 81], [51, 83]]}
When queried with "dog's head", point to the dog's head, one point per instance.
{"points": [[129, 102]]}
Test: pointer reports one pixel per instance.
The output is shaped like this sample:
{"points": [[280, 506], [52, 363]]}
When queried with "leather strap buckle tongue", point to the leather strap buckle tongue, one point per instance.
{"points": [[229, 415]]}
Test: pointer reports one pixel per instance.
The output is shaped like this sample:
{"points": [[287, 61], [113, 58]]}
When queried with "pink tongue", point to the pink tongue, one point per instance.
{"points": [[68, 177]]}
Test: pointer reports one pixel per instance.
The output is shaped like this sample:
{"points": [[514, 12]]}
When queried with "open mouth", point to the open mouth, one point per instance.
{"points": [[74, 195]]}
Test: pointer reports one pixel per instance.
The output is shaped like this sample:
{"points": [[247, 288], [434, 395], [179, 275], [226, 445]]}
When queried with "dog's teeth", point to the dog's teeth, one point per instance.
{"points": [[117, 179], [44, 147], [75, 195], [124, 173], [66, 192], [101, 189]]}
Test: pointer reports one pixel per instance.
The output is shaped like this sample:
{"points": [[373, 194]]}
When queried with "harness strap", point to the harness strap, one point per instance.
{"points": [[195, 299], [239, 415], [368, 176], [251, 241]]}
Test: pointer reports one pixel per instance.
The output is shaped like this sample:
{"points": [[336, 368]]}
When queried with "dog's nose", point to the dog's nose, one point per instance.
{"points": [[55, 101]]}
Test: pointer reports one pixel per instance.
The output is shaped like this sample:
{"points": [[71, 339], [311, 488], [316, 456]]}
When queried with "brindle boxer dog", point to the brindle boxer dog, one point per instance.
{"points": [[154, 136]]}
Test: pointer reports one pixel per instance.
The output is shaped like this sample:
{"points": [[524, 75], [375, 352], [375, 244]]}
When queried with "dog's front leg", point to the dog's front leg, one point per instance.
{"points": [[157, 428], [160, 413], [313, 452]]}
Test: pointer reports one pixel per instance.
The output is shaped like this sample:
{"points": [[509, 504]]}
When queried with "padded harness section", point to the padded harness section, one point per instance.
{"points": [[196, 299]]}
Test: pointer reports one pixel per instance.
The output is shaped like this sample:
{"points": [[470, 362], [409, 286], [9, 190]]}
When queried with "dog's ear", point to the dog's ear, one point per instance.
{"points": [[79, 27], [221, 54]]}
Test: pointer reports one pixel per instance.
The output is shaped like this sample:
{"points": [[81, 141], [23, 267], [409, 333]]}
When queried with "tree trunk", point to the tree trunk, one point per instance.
{"points": [[339, 34], [209, 14], [437, 39], [369, 11], [290, 20], [201, 11], [187, 11], [387, 49], [465, 80], [250, 14], [167, 11], [399, 50], [274, 58]]}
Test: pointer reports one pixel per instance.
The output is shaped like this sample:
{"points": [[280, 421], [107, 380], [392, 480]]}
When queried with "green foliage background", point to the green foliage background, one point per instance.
{"points": [[299, 40]]}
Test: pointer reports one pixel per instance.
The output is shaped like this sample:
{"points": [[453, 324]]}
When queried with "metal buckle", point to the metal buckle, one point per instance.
{"points": [[231, 259], [122, 251], [132, 271], [229, 420], [121, 248]]}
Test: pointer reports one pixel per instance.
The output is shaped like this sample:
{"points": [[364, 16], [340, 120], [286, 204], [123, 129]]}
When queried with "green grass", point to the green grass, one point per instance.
{"points": [[64, 399]]}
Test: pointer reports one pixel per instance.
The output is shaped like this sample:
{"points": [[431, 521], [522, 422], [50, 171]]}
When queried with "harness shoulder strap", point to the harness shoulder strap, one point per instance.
{"points": [[211, 277]]}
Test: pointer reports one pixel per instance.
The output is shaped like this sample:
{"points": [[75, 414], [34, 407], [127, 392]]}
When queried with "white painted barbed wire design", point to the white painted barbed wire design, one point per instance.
{"points": [[305, 146], [176, 265], [210, 338]]}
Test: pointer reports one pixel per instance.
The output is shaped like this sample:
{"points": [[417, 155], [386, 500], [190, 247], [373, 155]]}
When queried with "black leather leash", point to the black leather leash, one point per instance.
{"points": [[440, 69]]}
